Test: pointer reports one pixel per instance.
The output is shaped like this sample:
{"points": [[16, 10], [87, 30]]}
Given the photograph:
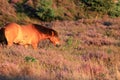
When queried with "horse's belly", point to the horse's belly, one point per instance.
{"points": [[26, 36], [19, 37], [26, 40]]}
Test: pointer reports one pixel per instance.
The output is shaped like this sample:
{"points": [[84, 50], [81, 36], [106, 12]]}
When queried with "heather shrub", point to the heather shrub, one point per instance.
{"points": [[118, 43], [108, 33], [109, 51], [7, 12]]}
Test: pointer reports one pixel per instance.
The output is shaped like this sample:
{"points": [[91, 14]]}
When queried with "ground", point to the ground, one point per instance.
{"points": [[89, 51]]}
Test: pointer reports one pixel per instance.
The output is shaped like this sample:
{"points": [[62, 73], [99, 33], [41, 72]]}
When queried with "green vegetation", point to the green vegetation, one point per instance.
{"points": [[44, 10], [30, 59], [114, 12], [70, 41], [49, 10], [103, 7]]}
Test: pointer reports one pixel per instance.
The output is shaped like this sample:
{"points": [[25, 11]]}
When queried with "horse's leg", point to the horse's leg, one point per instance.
{"points": [[9, 40], [26, 46], [34, 45], [34, 42], [9, 44]]}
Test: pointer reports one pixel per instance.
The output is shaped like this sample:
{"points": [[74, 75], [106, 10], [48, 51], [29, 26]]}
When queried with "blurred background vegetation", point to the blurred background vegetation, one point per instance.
{"points": [[50, 10]]}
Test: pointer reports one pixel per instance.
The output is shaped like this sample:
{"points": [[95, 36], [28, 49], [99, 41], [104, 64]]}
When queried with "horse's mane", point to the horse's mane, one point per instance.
{"points": [[45, 30]]}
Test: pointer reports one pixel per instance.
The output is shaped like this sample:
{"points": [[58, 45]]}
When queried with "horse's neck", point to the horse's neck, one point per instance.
{"points": [[43, 36]]}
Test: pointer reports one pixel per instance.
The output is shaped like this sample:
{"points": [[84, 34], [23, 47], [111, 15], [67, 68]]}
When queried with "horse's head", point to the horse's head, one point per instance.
{"points": [[55, 39]]}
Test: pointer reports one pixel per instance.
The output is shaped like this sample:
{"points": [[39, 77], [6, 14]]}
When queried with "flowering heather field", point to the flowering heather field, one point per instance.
{"points": [[90, 50]]}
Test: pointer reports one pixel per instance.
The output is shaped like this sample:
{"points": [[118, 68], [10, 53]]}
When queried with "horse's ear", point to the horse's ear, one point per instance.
{"points": [[52, 33]]}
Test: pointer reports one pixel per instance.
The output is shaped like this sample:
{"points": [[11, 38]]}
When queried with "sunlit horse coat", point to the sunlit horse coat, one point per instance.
{"points": [[29, 34]]}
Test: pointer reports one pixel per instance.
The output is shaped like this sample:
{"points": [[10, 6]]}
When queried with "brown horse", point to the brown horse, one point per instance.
{"points": [[29, 34]]}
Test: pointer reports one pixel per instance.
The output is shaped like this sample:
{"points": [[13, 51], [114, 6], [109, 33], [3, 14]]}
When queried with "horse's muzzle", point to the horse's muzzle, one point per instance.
{"points": [[57, 45]]}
